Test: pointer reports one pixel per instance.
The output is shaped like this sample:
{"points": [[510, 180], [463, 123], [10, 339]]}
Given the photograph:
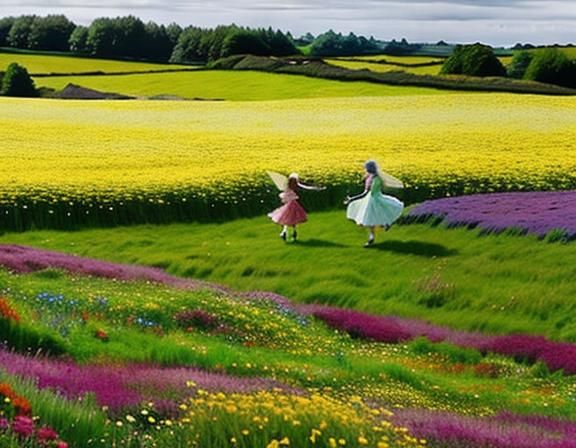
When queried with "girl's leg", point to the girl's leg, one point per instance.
{"points": [[371, 236], [284, 232], [294, 234]]}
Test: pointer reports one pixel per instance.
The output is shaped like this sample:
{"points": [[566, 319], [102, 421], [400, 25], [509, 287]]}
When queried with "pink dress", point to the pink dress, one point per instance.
{"points": [[291, 213]]}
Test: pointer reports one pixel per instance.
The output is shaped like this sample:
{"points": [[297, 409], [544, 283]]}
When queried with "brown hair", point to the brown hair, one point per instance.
{"points": [[293, 183]]}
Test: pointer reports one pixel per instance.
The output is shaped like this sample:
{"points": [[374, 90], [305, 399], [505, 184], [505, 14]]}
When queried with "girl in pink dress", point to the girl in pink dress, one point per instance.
{"points": [[291, 213]]}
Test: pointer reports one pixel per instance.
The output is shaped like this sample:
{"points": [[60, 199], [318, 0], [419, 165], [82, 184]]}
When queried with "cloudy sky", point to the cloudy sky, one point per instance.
{"points": [[497, 22]]}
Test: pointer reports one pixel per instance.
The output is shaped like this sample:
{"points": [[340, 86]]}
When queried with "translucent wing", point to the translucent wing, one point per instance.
{"points": [[279, 180], [390, 181]]}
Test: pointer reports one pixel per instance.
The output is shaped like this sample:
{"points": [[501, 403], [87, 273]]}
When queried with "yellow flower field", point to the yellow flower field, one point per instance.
{"points": [[441, 143]]}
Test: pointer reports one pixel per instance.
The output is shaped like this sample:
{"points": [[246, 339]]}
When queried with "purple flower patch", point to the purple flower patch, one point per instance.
{"points": [[124, 386], [501, 431], [538, 213]]}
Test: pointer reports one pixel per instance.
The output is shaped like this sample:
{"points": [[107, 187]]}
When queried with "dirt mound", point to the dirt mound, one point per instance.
{"points": [[76, 92]]}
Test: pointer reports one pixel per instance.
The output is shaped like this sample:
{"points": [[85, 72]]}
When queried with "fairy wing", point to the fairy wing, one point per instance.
{"points": [[279, 180], [390, 181]]}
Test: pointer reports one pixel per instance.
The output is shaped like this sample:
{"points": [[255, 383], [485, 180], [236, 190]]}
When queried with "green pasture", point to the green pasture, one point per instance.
{"points": [[230, 85], [410, 60], [453, 277], [40, 63]]}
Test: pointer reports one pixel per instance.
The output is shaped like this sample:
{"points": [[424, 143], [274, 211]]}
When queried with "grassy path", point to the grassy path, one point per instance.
{"points": [[496, 284]]}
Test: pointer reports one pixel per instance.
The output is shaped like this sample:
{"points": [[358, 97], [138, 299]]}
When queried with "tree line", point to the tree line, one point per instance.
{"points": [[548, 65], [130, 37]]}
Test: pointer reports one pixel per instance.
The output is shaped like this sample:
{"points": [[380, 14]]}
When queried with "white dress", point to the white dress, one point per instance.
{"points": [[374, 208]]}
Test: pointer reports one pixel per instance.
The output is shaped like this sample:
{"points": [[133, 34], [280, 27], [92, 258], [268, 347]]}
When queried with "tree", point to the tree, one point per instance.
{"points": [[17, 82], [552, 66], [101, 37], [5, 26], [50, 33], [279, 44], [78, 39], [332, 44], [122, 36], [20, 31], [244, 42], [473, 60], [158, 43], [130, 34], [187, 49], [173, 31], [519, 64]]}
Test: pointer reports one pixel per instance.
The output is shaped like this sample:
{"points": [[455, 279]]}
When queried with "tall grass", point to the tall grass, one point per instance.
{"points": [[78, 422]]}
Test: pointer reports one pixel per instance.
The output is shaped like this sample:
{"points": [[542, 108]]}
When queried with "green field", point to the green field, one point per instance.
{"points": [[411, 60], [231, 85], [451, 277], [38, 63], [376, 67]]}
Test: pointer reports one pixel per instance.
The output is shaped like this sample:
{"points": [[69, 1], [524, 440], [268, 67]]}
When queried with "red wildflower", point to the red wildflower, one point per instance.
{"points": [[102, 335], [7, 312], [7, 391], [22, 406]]}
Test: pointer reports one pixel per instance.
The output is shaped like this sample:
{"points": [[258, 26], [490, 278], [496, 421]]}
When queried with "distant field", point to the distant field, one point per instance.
{"points": [[69, 64], [398, 59], [231, 85], [571, 52], [375, 67]]}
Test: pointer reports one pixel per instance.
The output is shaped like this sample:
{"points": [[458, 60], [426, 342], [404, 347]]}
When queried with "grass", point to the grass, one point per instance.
{"points": [[229, 85], [40, 63], [495, 284]]}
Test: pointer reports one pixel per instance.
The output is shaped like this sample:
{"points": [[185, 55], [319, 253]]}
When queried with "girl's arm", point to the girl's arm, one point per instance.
{"points": [[367, 186], [310, 187], [354, 198]]}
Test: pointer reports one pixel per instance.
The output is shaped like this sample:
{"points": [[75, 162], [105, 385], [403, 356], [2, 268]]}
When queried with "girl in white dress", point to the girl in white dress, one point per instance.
{"points": [[372, 208]]}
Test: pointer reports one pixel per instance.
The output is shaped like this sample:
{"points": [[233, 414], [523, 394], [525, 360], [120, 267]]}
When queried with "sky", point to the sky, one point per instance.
{"points": [[495, 22]]}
